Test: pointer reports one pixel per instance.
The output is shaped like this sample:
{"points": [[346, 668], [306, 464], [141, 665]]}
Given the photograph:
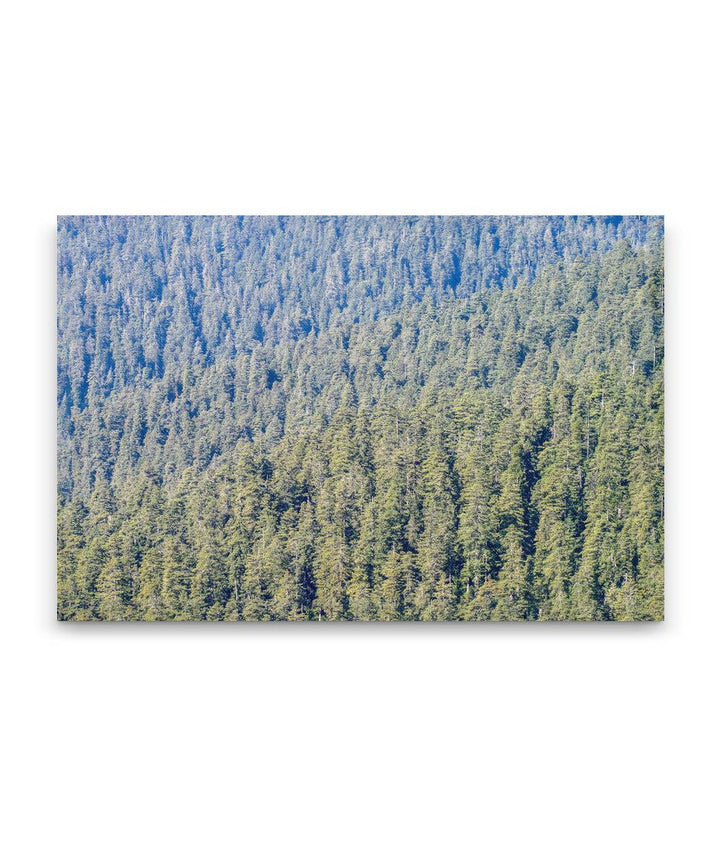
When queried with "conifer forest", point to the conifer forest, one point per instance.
{"points": [[360, 418]]}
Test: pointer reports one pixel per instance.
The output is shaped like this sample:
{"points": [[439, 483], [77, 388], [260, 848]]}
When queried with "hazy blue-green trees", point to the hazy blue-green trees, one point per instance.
{"points": [[360, 418]]}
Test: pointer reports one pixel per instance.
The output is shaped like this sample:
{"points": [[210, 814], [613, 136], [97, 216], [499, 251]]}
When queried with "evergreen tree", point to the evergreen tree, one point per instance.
{"points": [[360, 418]]}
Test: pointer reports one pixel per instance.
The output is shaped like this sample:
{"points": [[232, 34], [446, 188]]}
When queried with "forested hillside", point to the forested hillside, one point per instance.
{"points": [[360, 418]]}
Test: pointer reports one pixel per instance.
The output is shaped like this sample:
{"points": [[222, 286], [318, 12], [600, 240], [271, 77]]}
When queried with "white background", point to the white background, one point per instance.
{"points": [[359, 739]]}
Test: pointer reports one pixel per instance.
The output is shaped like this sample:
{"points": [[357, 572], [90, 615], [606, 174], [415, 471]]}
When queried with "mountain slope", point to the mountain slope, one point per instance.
{"points": [[394, 418]]}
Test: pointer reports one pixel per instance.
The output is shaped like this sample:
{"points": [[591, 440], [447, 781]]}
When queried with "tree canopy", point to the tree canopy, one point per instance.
{"points": [[390, 418]]}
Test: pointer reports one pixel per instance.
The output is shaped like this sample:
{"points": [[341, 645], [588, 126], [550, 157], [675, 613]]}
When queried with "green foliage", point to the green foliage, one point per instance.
{"points": [[360, 418]]}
